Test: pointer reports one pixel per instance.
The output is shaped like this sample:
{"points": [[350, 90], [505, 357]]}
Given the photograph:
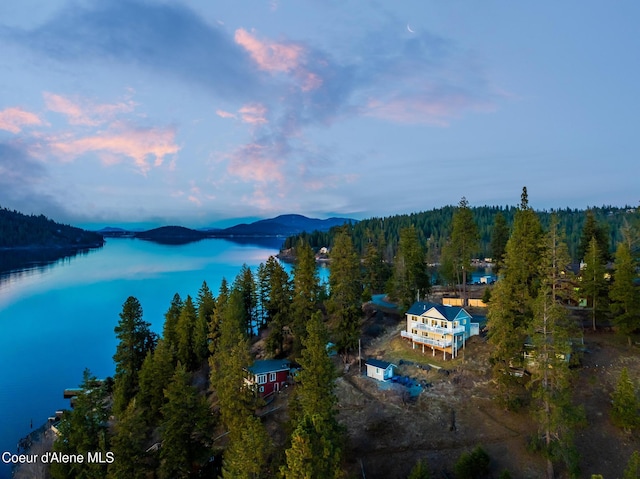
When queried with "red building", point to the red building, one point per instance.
{"points": [[267, 376]]}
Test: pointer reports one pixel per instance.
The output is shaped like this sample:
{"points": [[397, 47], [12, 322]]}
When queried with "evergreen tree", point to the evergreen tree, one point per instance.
{"points": [[278, 305], [551, 332], [170, 329], [346, 291], [511, 307], [463, 243], [244, 284], [185, 333], [306, 288], [216, 319], [129, 444], [625, 409], [591, 230], [186, 428], [312, 455], [317, 376], [410, 278], [593, 282], [247, 452], [624, 294], [632, 471], [231, 357], [206, 305], [317, 439], [135, 341], [156, 372], [83, 430], [499, 238], [376, 270]]}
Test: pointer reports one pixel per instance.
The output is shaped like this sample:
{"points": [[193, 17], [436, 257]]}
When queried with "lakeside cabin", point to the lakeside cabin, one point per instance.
{"points": [[440, 327], [267, 376]]}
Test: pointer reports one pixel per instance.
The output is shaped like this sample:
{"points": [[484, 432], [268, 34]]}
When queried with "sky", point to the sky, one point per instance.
{"points": [[198, 113]]}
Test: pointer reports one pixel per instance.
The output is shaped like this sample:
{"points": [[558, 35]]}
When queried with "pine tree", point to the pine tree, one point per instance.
{"points": [[83, 430], [376, 270], [625, 409], [593, 282], [499, 238], [278, 309], [591, 230], [624, 295], [216, 319], [410, 278], [156, 372], [129, 445], [306, 289], [247, 452], [317, 376], [170, 329], [464, 243], [511, 307], [244, 284], [316, 443], [312, 455], [346, 291], [231, 357], [205, 305], [186, 428], [185, 332], [135, 341]]}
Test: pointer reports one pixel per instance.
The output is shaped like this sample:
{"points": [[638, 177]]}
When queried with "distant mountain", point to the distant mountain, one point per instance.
{"points": [[280, 226], [172, 235], [18, 230], [284, 225]]}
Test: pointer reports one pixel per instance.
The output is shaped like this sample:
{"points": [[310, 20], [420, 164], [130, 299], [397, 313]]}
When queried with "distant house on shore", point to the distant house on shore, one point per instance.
{"points": [[268, 376], [440, 327], [380, 370]]}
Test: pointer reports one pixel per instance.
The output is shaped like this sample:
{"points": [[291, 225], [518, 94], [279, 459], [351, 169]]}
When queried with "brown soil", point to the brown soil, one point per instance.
{"points": [[388, 434]]}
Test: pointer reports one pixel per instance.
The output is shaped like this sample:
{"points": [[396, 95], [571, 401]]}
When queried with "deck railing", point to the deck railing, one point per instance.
{"points": [[436, 329]]}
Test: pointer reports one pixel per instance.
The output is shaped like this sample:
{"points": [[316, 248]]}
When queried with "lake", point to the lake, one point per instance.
{"points": [[57, 320]]}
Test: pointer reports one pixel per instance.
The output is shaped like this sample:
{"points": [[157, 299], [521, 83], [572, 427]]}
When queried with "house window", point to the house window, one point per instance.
{"points": [[261, 389], [262, 378], [272, 377]]}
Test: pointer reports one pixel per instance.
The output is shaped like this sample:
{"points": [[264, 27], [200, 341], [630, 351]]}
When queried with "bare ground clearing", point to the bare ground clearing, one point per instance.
{"points": [[388, 434]]}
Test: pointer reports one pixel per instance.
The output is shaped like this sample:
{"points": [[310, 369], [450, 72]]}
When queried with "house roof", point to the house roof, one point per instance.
{"points": [[263, 366], [377, 363], [450, 313]]}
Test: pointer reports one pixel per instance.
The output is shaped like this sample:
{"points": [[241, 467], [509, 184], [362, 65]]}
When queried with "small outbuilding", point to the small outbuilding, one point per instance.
{"points": [[380, 370]]}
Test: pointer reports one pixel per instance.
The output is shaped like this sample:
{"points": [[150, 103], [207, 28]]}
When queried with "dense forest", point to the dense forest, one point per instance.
{"points": [[18, 230], [180, 405], [434, 228]]}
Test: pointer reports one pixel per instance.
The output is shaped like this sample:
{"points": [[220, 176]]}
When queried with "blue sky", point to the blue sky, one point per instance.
{"points": [[195, 112]]}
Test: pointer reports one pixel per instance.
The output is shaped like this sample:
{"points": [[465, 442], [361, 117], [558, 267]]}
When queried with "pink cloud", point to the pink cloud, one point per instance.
{"points": [[224, 114], [270, 56], [13, 119], [253, 113], [255, 162], [423, 108], [138, 144], [83, 112]]}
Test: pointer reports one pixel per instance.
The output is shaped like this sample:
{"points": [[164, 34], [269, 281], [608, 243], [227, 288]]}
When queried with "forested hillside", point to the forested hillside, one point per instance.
{"points": [[20, 231], [434, 228]]}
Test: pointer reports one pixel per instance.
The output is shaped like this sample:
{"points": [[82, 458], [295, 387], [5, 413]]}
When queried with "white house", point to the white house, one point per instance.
{"points": [[380, 370], [445, 328]]}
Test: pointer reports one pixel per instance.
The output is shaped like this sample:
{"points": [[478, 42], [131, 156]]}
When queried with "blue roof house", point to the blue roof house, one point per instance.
{"points": [[440, 327]]}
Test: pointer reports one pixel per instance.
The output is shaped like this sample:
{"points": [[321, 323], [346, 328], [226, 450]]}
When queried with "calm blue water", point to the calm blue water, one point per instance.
{"points": [[57, 321]]}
